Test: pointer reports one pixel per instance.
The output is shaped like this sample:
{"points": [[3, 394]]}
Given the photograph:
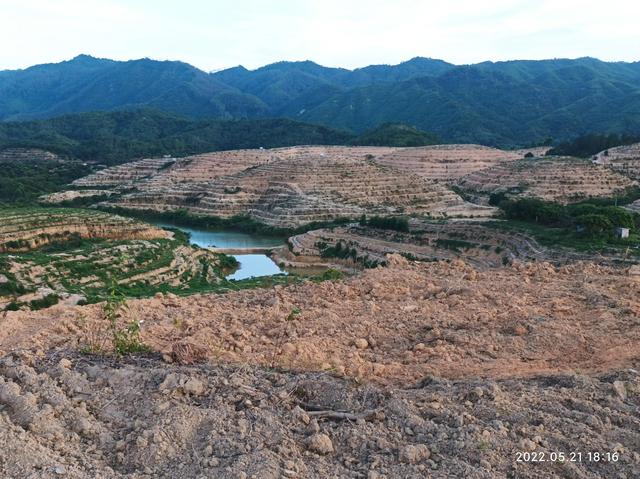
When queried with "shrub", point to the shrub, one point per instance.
{"points": [[126, 340], [397, 223], [534, 210], [594, 224]]}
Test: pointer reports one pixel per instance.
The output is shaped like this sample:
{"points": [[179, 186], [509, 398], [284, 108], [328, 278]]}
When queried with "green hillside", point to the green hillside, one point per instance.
{"points": [[116, 137], [503, 103]]}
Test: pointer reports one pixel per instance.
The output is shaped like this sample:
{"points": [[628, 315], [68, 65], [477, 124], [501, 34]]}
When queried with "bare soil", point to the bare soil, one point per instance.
{"points": [[414, 370]]}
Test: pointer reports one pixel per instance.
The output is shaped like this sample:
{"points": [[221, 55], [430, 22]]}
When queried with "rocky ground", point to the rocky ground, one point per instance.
{"points": [[73, 416], [414, 370]]}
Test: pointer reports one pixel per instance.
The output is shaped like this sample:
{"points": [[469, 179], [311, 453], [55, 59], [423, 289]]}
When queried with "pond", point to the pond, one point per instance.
{"points": [[251, 265]]}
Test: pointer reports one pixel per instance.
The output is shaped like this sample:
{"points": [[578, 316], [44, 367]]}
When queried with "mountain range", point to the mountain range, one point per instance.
{"points": [[495, 103]]}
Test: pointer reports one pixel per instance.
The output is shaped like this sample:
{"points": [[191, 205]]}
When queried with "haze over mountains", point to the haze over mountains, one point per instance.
{"points": [[504, 103]]}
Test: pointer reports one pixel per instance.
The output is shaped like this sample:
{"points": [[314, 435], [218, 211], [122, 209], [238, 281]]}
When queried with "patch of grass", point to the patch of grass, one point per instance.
{"points": [[454, 245]]}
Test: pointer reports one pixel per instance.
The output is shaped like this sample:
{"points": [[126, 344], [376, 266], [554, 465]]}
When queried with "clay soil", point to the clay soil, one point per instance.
{"points": [[413, 370]]}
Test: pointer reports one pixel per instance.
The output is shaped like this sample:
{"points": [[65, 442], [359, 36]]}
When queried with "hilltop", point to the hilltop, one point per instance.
{"points": [[503, 103]]}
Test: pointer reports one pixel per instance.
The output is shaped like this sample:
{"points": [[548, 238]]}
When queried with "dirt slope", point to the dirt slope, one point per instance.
{"points": [[415, 319], [415, 370], [79, 417]]}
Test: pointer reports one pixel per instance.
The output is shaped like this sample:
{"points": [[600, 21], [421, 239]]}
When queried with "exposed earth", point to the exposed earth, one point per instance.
{"points": [[454, 347], [442, 371]]}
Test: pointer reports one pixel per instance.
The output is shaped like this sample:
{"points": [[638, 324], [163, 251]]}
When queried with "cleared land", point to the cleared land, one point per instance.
{"points": [[489, 346], [623, 159], [284, 188], [13, 155], [526, 319], [23, 229], [446, 162], [416, 369], [480, 245], [564, 180]]}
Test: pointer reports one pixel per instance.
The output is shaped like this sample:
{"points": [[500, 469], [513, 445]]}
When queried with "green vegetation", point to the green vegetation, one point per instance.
{"points": [[395, 223], [126, 340], [23, 182], [501, 103], [588, 145], [137, 268], [117, 137], [345, 252], [396, 134], [242, 223], [454, 245], [583, 226]]}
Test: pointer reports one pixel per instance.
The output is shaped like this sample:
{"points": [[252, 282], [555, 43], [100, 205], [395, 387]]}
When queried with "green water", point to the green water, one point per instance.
{"points": [[251, 265]]}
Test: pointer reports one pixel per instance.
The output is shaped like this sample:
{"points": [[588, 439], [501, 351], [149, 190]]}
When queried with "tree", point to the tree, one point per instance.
{"points": [[594, 224]]}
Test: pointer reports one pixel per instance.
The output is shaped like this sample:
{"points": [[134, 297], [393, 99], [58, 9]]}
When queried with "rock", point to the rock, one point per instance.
{"points": [[194, 387], [620, 389], [527, 445], [74, 300], [3, 279], [361, 343], [60, 470], [313, 426], [171, 381], [288, 348], [475, 394], [319, 443], [65, 363], [300, 414], [412, 454]]}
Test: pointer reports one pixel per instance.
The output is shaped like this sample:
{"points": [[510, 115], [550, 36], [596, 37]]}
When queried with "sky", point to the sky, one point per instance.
{"points": [[216, 34]]}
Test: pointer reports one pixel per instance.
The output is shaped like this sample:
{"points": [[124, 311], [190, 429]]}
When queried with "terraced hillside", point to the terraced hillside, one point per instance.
{"points": [[480, 245], [623, 159], [562, 179], [446, 162], [285, 187], [72, 196], [23, 229], [125, 175], [11, 155], [78, 255]]}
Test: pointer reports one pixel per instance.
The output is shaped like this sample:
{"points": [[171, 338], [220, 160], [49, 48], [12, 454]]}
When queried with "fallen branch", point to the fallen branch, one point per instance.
{"points": [[339, 415]]}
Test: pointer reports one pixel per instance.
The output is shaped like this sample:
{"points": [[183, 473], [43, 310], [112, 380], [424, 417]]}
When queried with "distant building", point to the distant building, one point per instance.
{"points": [[622, 233]]}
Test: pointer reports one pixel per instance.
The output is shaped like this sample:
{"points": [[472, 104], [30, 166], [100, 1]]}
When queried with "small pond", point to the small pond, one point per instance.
{"points": [[251, 265]]}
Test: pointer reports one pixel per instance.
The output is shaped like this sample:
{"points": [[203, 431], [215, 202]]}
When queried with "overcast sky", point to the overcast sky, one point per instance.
{"points": [[216, 34]]}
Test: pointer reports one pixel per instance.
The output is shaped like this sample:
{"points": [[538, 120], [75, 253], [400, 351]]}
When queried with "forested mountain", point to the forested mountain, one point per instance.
{"points": [[502, 103], [116, 137], [120, 136]]}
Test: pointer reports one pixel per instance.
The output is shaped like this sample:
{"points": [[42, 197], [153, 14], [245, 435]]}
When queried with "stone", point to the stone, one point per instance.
{"points": [[65, 363], [412, 454], [361, 343], [194, 387], [320, 443], [620, 389], [527, 445]]}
